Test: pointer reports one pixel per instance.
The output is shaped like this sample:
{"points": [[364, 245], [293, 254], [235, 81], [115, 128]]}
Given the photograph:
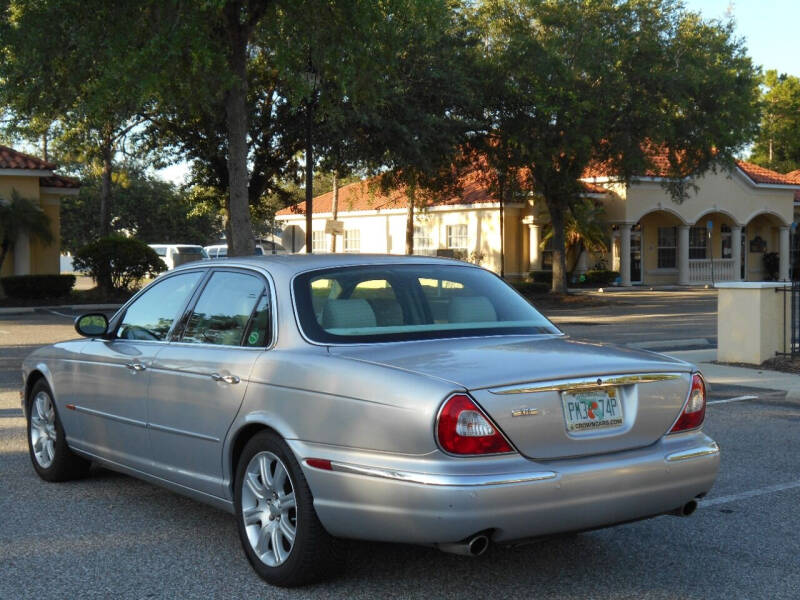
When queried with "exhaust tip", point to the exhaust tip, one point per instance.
{"points": [[478, 545], [685, 510]]}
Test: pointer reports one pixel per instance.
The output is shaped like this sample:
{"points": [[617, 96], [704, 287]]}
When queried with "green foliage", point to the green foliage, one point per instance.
{"points": [[152, 210], [121, 261], [600, 277], [572, 82], [19, 215], [542, 277], [528, 288], [31, 287], [777, 145], [771, 265]]}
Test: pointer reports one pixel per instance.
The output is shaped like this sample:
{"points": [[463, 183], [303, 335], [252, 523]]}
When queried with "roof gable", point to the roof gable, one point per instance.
{"points": [[13, 159]]}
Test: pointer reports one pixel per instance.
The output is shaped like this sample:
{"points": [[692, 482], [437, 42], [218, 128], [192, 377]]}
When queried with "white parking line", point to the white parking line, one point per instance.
{"points": [[736, 399], [55, 312], [752, 493]]}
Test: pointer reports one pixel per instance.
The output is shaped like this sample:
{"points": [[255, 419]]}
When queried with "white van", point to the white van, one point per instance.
{"points": [[175, 255], [221, 250]]}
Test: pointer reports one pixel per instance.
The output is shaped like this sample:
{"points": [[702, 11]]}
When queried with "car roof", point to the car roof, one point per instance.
{"points": [[290, 264]]}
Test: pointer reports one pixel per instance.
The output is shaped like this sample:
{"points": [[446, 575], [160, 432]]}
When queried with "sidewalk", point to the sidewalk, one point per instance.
{"points": [[739, 376]]}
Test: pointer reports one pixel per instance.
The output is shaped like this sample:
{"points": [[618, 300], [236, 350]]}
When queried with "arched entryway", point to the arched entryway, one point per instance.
{"points": [[766, 233], [714, 248]]}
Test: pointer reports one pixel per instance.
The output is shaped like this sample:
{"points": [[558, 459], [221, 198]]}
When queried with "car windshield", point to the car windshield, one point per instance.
{"points": [[381, 303]]}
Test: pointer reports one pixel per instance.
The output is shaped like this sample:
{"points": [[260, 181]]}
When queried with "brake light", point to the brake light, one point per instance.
{"points": [[695, 410], [463, 428]]}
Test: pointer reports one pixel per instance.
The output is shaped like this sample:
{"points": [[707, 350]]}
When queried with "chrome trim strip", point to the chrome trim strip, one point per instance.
{"points": [[142, 424], [199, 436], [443, 479], [110, 417], [581, 383], [704, 450]]}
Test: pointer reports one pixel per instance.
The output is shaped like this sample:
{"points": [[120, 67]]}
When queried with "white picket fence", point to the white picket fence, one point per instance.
{"points": [[700, 270]]}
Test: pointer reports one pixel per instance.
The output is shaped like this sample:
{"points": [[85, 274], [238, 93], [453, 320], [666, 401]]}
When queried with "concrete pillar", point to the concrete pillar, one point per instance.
{"points": [[783, 269], [625, 254], [22, 254], [736, 251], [535, 253], [614, 264], [683, 255]]}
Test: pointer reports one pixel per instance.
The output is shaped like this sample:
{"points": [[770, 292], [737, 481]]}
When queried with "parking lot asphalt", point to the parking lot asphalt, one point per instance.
{"points": [[114, 536]]}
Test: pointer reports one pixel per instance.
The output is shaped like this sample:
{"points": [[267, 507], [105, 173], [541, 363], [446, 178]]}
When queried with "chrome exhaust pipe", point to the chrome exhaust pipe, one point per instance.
{"points": [[472, 546], [685, 510]]}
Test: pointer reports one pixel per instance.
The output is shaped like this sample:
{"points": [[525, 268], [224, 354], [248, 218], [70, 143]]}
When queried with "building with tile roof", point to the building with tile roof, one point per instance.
{"points": [[721, 232], [35, 180]]}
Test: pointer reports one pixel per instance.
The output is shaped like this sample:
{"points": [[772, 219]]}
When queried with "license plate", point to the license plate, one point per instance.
{"points": [[592, 409]]}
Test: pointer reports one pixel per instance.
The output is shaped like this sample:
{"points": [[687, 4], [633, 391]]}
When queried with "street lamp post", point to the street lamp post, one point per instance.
{"points": [[313, 79]]}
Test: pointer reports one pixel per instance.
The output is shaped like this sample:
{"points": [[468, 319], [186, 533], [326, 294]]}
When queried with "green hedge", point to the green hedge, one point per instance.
{"points": [[118, 262], [32, 287], [600, 277], [542, 277], [531, 287]]}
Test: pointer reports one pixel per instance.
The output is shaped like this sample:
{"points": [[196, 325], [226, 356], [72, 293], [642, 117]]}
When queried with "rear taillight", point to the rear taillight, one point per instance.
{"points": [[695, 410], [463, 428]]}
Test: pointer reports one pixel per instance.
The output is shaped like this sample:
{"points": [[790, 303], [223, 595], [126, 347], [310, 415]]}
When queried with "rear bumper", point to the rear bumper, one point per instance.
{"points": [[441, 499]]}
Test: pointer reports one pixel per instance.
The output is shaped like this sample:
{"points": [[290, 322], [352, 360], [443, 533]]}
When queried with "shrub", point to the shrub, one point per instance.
{"points": [[542, 277], [118, 262], [31, 287], [600, 277], [527, 288], [772, 265]]}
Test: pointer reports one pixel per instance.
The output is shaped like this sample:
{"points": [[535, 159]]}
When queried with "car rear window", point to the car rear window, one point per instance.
{"points": [[380, 303], [190, 250]]}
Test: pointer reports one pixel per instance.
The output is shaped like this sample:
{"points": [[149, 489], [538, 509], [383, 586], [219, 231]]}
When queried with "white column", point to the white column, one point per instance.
{"points": [[614, 261], [736, 251], [625, 254], [783, 269], [22, 254], [534, 254], [683, 255]]}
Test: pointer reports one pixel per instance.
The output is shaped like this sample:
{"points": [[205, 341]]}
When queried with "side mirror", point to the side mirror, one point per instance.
{"points": [[91, 325]]}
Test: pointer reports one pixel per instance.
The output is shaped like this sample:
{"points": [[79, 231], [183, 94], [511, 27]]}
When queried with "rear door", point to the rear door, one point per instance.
{"points": [[115, 374], [199, 379]]}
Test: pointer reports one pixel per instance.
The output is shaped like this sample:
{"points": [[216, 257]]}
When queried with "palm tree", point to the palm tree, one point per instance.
{"points": [[18, 216], [583, 231]]}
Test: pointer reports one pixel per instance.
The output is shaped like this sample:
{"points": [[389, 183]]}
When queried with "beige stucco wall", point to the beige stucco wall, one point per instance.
{"points": [[385, 232], [44, 259]]}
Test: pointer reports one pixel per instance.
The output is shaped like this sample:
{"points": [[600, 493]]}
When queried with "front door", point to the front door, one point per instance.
{"points": [[116, 373], [636, 254], [199, 380]]}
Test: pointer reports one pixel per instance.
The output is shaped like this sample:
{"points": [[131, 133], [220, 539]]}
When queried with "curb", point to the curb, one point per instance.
{"points": [[23, 310]]}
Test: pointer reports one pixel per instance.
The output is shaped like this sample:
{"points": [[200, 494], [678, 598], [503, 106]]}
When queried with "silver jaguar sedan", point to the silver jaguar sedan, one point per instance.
{"points": [[401, 399]]}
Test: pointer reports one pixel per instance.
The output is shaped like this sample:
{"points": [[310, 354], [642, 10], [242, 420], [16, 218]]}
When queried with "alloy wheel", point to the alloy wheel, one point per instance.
{"points": [[43, 429], [269, 508]]}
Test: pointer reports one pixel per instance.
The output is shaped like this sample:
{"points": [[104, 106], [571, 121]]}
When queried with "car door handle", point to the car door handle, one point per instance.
{"points": [[225, 378], [136, 366]]}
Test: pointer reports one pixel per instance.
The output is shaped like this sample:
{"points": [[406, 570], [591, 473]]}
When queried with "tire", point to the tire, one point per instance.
{"points": [[47, 445], [272, 520]]}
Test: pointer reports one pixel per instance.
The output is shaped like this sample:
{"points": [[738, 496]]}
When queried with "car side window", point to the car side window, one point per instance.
{"points": [[151, 315], [226, 310]]}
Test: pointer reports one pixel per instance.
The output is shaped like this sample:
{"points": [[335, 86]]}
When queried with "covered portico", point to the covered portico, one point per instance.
{"points": [[722, 232]]}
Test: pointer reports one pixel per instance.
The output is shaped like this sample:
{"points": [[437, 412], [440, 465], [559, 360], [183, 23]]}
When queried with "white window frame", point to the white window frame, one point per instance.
{"points": [[352, 240], [318, 241], [673, 247], [698, 251], [423, 241], [457, 241]]}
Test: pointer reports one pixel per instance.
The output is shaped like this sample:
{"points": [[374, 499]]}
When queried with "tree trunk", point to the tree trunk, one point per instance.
{"points": [[4, 247], [556, 208], [309, 179], [334, 209], [105, 189], [241, 241], [410, 223], [502, 190]]}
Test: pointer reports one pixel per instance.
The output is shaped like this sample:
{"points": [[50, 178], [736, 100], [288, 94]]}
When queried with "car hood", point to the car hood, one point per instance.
{"points": [[475, 363]]}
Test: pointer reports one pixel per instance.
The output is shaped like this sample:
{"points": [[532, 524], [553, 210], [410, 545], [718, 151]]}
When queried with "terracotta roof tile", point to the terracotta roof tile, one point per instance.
{"points": [[761, 175], [794, 176], [59, 181], [12, 159], [359, 197]]}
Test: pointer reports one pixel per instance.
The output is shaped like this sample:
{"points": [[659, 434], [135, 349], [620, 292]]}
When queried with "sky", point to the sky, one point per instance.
{"points": [[769, 28]]}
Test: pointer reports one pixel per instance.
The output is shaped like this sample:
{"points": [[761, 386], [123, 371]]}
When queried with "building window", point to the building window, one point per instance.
{"points": [[352, 240], [667, 248], [726, 237], [318, 241], [423, 242], [697, 242], [457, 237]]}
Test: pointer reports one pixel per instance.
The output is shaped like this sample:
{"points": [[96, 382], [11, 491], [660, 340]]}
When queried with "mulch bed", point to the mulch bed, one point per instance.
{"points": [[91, 296], [783, 364], [565, 300]]}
